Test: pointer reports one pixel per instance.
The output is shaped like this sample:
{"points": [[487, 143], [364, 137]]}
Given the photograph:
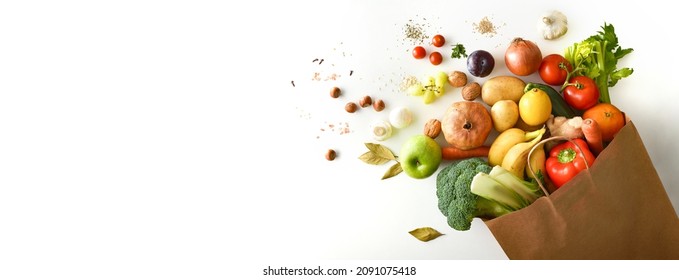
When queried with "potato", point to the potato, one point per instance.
{"points": [[505, 114], [502, 88]]}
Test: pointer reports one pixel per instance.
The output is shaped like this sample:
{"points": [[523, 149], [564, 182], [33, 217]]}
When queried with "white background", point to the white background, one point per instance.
{"points": [[163, 139]]}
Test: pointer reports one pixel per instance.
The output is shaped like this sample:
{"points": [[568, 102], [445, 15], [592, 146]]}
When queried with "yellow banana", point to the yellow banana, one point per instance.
{"points": [[537, 162], [505, 141], [516, 158]]}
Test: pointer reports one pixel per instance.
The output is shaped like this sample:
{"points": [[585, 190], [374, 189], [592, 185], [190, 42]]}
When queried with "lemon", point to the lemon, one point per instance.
{"points": [[535, 107]]}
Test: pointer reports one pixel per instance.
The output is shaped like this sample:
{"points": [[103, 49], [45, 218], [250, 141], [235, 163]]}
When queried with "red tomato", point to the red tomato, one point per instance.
{"points": [[435, 58], [438, 40], [419, 52], [581, 93], [554, 69]]}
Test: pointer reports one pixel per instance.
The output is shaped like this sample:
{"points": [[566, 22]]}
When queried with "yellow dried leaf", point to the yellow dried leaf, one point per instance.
{"points": [[380, 151], [393, 171], [425, 233], [370, 157]]}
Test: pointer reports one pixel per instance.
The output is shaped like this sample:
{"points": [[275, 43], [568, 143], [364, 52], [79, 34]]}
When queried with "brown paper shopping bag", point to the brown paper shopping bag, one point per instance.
{"points": [[618, 209]]}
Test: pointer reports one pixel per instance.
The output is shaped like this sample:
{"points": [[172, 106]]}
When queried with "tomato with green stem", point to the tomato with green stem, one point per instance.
{"points": [[581, 93], [554, 69]]}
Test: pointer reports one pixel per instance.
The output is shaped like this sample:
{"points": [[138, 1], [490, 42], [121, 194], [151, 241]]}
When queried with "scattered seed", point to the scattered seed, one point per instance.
{"points": [[293, 83]]}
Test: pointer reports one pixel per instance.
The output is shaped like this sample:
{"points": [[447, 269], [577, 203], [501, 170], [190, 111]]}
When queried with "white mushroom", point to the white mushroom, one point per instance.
{"points": [[381, 130]]}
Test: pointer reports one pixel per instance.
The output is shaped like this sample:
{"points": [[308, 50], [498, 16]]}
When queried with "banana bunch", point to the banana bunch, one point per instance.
{"points": [[511, 148]]}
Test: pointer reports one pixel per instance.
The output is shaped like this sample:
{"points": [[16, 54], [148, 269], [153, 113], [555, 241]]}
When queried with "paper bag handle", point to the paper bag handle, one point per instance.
{"points": [[539, 144]]}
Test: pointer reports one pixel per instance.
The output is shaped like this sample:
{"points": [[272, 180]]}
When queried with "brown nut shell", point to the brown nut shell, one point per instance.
{"points": [[330, 154], [432, 128], [457, 79], [365, 101], [335, 92], [471, 91], [351, 107], [378, 105]]}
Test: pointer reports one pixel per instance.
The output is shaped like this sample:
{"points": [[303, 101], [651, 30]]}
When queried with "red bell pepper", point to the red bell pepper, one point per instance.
{"points": [[565, 161]]}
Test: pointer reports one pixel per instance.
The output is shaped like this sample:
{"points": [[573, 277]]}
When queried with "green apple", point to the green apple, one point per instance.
{"points": [[420, 156]]}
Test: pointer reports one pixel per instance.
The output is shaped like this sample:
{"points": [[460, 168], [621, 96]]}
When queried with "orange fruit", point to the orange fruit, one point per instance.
{"points": [[609, 118]]}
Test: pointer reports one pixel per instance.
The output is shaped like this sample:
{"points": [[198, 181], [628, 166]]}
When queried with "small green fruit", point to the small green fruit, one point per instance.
{"points": [[420, 156]]}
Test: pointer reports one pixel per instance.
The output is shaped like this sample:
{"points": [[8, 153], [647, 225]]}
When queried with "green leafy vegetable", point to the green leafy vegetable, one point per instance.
{"points": [[425, 234], [458, 51], [597, 57]]}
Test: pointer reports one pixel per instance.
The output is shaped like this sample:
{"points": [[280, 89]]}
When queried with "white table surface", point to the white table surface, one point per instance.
{"points": [[166, 138]]}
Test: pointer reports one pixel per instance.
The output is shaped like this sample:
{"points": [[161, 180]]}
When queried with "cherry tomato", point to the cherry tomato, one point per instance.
{"points": [[435, 58], [419, 52], [581, 93], [554, 69], [438, 40]]}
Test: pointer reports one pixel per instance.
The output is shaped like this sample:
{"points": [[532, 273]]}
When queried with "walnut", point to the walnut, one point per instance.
{"points": [[432, 128], [457, 79], [471, 91]]}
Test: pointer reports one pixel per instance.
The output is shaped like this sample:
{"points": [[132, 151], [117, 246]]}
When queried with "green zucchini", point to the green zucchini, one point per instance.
{"points": [[559, 105]]}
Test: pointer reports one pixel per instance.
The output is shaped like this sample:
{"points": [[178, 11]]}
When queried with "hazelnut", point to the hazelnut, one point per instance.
{"points": [[457, 79], [378, 105], [432, 128], [335, 92], [351, 107], [365, 101], [330, 154], [471, 91]]}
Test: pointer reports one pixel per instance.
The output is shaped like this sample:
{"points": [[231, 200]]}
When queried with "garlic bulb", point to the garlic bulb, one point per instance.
{"points": [[400, 117], [553, 25], [381, 130]]}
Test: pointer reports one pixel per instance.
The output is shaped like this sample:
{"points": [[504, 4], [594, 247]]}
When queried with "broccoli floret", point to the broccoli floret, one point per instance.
{"points": [[470, 188], [445, 180], [457, 202]]}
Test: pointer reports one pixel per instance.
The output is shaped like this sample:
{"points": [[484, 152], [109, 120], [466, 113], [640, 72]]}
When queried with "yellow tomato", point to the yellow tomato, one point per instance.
{"points": [[535, 107]]}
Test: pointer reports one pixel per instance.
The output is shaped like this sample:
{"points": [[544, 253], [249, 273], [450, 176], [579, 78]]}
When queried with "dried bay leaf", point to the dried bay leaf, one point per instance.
{"points": [[393, 171], [370, 157], [425, 233], [380, 151]]}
